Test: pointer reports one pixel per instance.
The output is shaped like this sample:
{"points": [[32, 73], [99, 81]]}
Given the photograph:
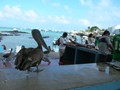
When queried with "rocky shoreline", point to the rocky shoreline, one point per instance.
{"points": [[12, 33]]}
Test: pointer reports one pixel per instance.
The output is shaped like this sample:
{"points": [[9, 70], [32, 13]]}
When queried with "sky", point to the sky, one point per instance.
{"points": [[59, 14]]}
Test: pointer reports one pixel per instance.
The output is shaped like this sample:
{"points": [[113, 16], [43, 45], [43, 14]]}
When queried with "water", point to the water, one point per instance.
{"points": [[24, 39]]}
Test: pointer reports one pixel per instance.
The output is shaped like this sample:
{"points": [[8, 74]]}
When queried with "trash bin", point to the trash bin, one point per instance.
{"points": [[116, 46]]}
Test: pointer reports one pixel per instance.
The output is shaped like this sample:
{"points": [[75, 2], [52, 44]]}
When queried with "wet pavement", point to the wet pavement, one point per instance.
{"points": [[58, 77]]}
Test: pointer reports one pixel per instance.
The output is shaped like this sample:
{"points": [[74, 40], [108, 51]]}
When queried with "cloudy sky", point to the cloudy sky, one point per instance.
{"points": [[59, 14]]}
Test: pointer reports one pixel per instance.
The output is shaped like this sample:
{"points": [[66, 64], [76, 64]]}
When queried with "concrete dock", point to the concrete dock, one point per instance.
{"points": [[58, 77]]}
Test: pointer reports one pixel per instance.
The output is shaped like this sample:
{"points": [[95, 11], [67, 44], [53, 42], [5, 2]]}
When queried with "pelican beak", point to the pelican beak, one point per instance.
{"points": [[39, 39]]}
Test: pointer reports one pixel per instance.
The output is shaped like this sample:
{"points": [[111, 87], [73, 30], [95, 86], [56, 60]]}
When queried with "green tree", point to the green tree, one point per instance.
{"points": [[93, 28]]}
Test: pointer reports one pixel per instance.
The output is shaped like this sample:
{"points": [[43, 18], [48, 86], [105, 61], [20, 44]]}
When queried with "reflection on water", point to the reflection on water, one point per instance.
{"points": [[101, 67], [93, 66]]}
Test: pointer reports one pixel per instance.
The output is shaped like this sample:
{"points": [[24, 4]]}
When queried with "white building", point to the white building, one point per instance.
{"points": [[114, 30]]}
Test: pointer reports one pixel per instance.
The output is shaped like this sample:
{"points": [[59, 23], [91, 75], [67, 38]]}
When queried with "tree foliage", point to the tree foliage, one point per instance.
{"points": [[93, 28]]}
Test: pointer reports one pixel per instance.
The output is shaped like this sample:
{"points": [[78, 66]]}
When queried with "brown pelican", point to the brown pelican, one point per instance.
{"points": [[29, 57]]}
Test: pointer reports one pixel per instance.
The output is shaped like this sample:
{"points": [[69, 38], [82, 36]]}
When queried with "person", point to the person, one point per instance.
{"points": [[90, 39], [64, 41], [90, 42], [73, 38], [105, 46], [96, 42]]}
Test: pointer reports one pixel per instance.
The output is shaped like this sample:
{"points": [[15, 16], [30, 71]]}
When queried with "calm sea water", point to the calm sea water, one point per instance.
{"points": [[23, 39]]}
